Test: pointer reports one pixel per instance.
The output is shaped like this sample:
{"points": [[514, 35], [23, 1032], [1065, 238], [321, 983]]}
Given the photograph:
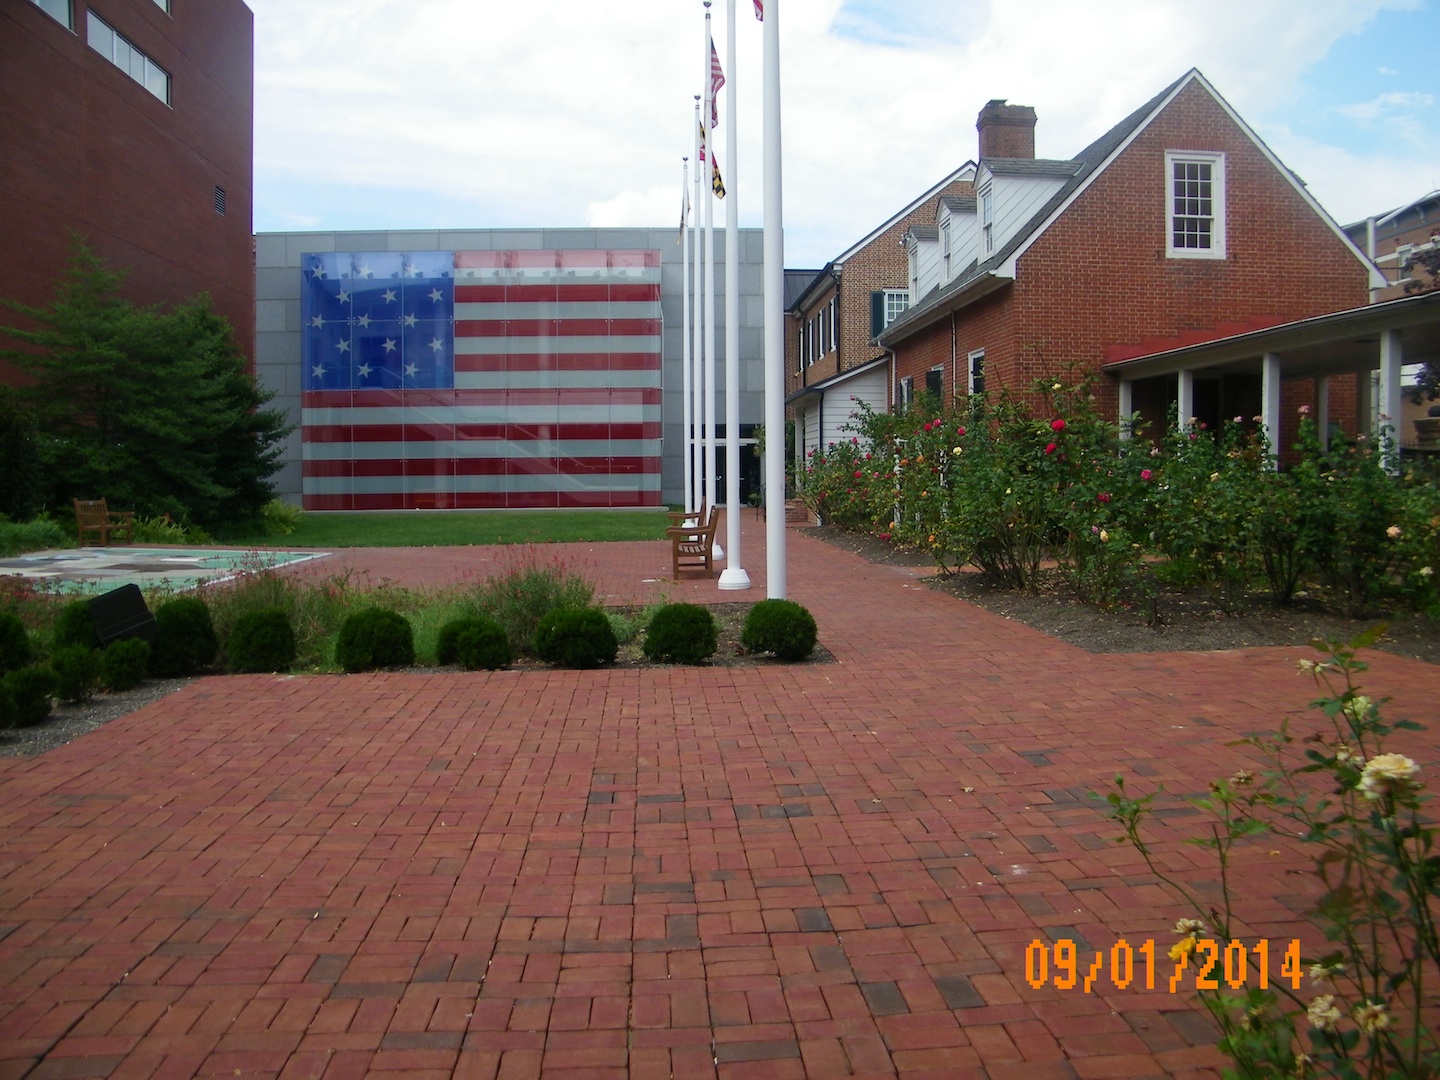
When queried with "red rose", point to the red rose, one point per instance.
{"points": [[1057, 425], [1049, 448]]}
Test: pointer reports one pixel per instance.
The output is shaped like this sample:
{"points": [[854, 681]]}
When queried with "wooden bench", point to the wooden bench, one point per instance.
{"points": [[93, 517], [687, 517], [692, 545]]}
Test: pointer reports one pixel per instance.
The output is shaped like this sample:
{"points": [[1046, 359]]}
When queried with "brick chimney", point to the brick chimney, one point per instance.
{"points": [[1006, 131]]}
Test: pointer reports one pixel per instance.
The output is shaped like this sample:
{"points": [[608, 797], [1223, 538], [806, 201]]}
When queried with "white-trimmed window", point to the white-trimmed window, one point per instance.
{"points": [[110, 44], [897, 301], [59, 10], [1195, 205], [987, 219], [975, 384], [905, 393]]}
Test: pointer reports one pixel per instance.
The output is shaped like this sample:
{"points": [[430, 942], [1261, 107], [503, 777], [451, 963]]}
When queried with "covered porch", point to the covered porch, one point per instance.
{"points": [[1347, 366]]}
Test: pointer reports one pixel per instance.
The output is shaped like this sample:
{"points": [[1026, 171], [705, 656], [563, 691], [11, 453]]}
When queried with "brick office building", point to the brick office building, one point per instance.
{"points": [[1176, 227], [130, 123]]}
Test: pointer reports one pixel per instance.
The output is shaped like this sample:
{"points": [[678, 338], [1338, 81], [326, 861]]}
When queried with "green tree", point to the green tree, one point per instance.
{"points": [[152, 408]]}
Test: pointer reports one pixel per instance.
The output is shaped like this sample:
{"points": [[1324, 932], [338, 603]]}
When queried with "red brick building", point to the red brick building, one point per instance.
{"points": [[1393, 239], [130, 123], [1177, 226], [833, 362]]}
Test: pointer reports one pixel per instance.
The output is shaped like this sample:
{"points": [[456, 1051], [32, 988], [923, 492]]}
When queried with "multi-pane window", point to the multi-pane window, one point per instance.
{"points": [[110, 44], [59, 10], [987, 219], [1196, 206], [896, 302], [977, 372]]}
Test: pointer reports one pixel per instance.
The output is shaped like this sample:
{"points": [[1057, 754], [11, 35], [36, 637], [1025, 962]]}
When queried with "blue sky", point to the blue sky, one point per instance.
{"points": [[382, 114]]}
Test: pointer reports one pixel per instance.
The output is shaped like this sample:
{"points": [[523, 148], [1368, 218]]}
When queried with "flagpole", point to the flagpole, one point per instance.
{"points": [[774, 315], [697, 447], [711, 496], [687, 443], [734, 575]]}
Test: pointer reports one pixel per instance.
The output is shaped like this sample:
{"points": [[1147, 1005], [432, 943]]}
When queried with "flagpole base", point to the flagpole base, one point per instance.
{"points": [[733, 577]]}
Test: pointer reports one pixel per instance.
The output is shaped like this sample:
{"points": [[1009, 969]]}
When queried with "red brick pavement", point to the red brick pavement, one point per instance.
{"points": [[828, 870]]}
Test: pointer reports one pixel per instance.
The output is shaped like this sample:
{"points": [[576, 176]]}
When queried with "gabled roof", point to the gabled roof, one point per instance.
{"points": [[964, 172], [924, 232], [1030, 167], [988, 276], [796, 282], [959, 204]]}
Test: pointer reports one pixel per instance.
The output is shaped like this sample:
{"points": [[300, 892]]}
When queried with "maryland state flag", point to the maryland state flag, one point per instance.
{"points": [[716, 184]]}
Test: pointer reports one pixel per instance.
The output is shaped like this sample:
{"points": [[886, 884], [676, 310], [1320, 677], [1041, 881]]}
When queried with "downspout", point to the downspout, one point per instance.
{"points": [[954, 364]]}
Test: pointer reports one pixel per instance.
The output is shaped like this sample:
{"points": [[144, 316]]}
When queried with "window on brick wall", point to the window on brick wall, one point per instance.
{"points": [[886, 305], [904, 393], [976, 381], [935, 384], [59, 10], [1195, 197], [105, 40]]}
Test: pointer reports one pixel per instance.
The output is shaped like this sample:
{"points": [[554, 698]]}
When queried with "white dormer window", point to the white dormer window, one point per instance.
{"points": [[945, 248], [987, 219], [1195, 201]]}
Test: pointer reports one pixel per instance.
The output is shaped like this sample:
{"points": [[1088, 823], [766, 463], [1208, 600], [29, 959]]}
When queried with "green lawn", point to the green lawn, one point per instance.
{"points": [[444, 528]]}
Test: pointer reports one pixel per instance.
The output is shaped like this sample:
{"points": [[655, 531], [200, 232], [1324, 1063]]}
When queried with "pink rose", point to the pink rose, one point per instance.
{"points": [[1145, 474]]}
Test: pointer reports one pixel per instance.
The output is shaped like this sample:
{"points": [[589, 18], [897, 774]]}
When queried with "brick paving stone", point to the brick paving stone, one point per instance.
{"points": [[521, 873]]}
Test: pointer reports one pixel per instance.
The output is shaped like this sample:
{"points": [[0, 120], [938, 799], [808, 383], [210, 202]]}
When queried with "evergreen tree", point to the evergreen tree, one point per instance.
{"points": [[153, 409]]}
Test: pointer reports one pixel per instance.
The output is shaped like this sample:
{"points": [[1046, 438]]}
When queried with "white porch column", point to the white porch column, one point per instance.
{"points": [[1184, 398], [1388, 429], [1322, 410], [1126, 406], [1270, 403]]}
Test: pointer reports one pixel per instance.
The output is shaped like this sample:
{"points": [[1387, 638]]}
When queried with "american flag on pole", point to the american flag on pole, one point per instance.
{"points": [[480, 379], [760, 10], [717, 81]]}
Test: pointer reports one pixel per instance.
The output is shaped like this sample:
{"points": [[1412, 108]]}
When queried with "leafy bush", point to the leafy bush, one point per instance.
{"points": [[280, 518], [374, 638], [161, 529], [261, 640], [40, 534], [26, 695], [682, 633], [185, 641], [781, 627], [576, 638], [315, 608], [77, 672], [15, 648], [123, 664], [526, 592], [475, 644], [75, 626]]}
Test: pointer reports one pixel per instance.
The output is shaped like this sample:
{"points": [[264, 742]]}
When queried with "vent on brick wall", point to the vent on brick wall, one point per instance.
{"points": [[220, 200]]}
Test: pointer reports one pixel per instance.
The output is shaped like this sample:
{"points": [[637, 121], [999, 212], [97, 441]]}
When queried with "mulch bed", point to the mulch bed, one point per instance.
{"points": [[1178, 621]]}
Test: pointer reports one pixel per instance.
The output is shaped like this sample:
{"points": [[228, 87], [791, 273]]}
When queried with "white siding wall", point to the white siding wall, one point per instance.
{"points": [[927, 259], [1017, 198], [843, 403]]}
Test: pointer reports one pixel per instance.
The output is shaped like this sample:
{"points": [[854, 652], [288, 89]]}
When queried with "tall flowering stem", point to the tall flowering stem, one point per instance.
{"points": [[1365, 1007]]}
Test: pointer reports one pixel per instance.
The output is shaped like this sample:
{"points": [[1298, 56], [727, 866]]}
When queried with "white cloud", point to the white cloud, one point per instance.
{"points": [[568, 112]]}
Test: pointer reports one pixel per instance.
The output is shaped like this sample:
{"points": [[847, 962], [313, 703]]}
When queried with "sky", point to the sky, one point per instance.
{"points": [[478, 114]]}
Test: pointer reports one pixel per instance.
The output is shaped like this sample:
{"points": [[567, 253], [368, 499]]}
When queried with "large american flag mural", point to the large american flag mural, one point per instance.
{"points": [[481, 379]]}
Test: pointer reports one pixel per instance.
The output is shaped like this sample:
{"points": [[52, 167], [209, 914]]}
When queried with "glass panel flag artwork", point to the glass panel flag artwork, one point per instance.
{"points": [[468, 379]]}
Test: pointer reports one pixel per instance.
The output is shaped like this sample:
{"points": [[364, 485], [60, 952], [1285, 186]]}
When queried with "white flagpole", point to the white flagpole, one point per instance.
{"points": [[774, 316], [734, 575], [687, 442], [708, 262], [696, 350]]}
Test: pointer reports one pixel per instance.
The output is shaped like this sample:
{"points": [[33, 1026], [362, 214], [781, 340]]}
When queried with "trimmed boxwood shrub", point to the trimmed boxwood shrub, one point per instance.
{"points": [[261, 640], [576, 638], [185, 640], [15, 648], [781, 627], [375, 638], [475, 644], [123, 664], [74, 625], [25, 698], [77, 672], [681, 633]]}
